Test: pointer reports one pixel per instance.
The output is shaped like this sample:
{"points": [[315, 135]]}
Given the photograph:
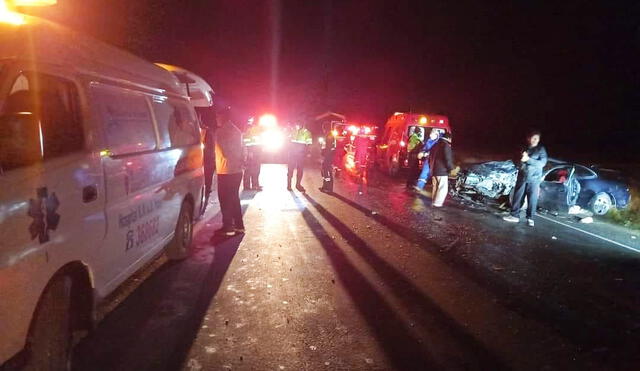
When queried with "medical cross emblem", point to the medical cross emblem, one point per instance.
{"points": [[43, 211]]}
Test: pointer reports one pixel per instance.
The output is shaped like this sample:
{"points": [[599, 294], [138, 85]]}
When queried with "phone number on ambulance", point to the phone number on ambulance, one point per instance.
{"points": [[143, 233]]}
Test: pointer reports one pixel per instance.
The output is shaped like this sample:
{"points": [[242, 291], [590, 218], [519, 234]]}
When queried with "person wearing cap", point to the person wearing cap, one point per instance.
{"points": [[230, 158], [300, 140], [441, 163]]}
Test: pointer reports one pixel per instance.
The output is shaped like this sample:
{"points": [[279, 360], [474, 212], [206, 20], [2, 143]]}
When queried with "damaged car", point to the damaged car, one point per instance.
{"points": [[563, 185]]}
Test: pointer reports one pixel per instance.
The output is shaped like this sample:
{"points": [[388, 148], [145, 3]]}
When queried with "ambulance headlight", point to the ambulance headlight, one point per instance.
{"points": [[273, 140]]}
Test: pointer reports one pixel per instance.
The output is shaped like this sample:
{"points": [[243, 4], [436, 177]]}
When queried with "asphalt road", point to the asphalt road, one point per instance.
{"points": [[378, 281]]}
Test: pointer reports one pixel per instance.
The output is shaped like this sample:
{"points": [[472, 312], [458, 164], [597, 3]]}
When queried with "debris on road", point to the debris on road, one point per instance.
{"points": [[554, 237], [587, 220], [574, 210]]}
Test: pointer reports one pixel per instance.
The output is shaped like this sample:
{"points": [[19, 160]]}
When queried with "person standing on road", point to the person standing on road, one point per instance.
{"points": [[208, 119], [361, 158], [441, 163], [414, 145], [299, 143], [532, 161], [229, 165], [253, 144], [328, 157], [424, 156]]}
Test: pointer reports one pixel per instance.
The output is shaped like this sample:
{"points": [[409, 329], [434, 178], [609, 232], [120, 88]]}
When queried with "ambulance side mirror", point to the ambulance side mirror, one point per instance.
{"points": [[21, 142]]}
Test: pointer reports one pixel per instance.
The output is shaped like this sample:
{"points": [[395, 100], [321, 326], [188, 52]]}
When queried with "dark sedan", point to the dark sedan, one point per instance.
{"points": [[564, 184]]}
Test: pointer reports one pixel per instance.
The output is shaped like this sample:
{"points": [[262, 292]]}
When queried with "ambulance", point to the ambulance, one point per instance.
{"points": [[391, 150], [100, 172]]}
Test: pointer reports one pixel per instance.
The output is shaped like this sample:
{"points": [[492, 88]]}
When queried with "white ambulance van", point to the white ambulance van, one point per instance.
{"points": [[100, 171]]}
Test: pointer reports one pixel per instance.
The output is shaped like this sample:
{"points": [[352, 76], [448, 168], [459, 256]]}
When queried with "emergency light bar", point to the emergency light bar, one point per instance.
{"points": [[32, 2], [9, 15]]}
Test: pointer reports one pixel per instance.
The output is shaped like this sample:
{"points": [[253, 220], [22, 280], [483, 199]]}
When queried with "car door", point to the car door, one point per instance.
{"points": [[558, 189]]}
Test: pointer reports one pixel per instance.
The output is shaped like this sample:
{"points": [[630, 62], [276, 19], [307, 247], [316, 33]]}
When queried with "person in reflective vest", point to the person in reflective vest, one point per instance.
{"points": [[253, 144], [414, 145], [300, 140]]}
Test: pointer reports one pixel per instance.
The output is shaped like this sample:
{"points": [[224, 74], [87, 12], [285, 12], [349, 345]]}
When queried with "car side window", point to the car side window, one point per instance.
{"points": [[177, 123], [126, 118], [41, 120], [585, 173]]}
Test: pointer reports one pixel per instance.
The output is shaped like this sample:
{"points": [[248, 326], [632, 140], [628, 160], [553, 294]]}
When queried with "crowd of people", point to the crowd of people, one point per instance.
{"points": [[238, 162]]}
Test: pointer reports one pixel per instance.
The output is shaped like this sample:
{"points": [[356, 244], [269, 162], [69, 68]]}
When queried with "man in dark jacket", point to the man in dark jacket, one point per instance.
{"points": [[532, 161], [441, 164]]}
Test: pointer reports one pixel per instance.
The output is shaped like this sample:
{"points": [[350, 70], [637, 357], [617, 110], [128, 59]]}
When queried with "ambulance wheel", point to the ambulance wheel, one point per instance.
{"points": [[180, 245], [50, 341]]}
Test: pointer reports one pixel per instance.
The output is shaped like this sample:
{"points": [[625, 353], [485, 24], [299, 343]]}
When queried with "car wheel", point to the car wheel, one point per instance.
{"points": [[601, 203], [180, 245], [50, 340]]}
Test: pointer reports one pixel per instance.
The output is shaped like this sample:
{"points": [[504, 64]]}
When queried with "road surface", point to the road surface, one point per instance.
{"points": [[378, 281]]}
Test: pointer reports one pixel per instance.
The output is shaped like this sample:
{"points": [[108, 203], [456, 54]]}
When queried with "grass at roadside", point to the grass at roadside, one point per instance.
{"points": [[629, 217]]}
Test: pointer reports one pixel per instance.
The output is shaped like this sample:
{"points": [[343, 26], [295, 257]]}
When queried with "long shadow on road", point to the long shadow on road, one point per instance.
{"points": [[430, 314], [585, 325], [156, 325], [402, 348]]}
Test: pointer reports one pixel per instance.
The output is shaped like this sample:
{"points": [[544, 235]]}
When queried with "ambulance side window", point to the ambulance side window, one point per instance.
{"points": [[127, 120], [40, 121], [177, 123]]}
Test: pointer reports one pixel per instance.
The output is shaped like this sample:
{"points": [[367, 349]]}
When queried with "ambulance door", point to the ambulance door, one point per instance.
{"points": [[132, 173], [51, 192]]}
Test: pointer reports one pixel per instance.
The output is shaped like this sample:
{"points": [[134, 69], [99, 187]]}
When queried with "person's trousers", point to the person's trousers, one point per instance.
{"points": [[327, 173], [529, 189], [228, 188], [252, 172], [296, 163], [424, 175], [414, 169], [440, 189]]}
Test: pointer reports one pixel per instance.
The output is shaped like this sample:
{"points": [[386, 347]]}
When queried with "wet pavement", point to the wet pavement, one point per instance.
{"points": [[378, 281]]}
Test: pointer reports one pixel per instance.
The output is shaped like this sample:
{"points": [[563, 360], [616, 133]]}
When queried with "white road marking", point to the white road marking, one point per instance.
{"points": [[590, 234]]}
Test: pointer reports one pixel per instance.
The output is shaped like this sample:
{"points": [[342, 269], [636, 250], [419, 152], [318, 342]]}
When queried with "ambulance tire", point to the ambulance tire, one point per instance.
{"points": [[180, 246], [50, 340]]}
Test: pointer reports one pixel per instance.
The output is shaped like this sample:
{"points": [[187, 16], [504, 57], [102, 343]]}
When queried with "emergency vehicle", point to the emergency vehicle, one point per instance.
{"points": [[346, 136], [391, 150], [100, 171]]}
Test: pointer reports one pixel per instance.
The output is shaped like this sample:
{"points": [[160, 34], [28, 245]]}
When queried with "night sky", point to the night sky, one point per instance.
{"points": [[569, 68]]}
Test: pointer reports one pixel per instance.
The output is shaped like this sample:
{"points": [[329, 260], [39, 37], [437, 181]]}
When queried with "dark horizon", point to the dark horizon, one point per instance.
{"points": [[497, 69]]}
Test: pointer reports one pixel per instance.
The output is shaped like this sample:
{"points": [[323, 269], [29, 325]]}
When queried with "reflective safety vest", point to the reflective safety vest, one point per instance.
{"points": [[301, 136], [253, 136], [414, 141]]}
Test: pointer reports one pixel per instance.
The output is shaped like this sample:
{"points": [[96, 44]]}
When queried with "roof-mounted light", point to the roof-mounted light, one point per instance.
{"points": [[9, 16], [33, 2]]}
